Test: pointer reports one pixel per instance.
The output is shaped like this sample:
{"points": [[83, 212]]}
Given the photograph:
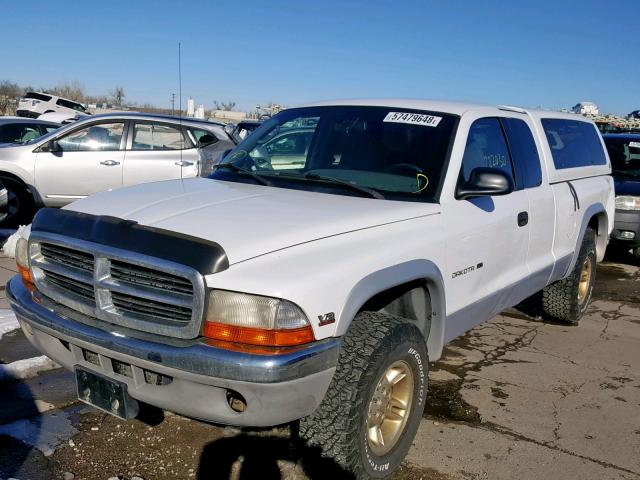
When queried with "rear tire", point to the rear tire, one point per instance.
{"points": [[566, 300], [21, 206], [371, 412]]}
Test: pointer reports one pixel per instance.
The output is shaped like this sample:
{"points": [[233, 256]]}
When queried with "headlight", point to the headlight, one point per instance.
{"points": [[627, 202], [22, 261], [255, 320]]}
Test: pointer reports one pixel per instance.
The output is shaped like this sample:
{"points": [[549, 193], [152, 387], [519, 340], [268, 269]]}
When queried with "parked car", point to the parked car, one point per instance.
{"points": [[240, 131], [321, 293], [284, 149], [63, 118], [624, 152], [103, 152], [4, 203], [33, 104], [18, 130]]}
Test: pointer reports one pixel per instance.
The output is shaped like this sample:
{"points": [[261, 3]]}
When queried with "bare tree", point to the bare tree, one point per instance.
{"points": [[117, 94], [10, 93], [97, 99], [225, 106], [73, 90]]}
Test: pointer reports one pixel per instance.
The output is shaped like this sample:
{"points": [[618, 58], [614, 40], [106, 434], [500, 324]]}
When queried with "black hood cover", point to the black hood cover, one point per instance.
{"points": [[204, 256]]}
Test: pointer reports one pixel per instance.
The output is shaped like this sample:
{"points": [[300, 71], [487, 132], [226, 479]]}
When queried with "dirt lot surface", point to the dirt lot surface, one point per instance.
{"points": [[515, 398]]}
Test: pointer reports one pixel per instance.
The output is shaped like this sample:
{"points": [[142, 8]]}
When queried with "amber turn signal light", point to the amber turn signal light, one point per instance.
{"points": [[258, 336]]}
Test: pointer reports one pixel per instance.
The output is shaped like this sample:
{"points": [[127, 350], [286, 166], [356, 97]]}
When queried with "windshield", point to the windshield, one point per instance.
{"points": [[399, 153], [625, 156]]}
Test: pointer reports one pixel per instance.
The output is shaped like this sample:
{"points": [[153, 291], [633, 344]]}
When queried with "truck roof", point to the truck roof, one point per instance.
{"points": [[454, 107]]}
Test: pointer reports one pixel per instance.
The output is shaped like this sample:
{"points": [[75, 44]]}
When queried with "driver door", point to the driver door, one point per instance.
{"points": [[488, 240], [89, 160]]}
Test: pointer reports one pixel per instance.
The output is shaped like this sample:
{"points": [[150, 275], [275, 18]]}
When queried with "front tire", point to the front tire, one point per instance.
{"points": [[20, 204], [371, 412], [566, 300]]}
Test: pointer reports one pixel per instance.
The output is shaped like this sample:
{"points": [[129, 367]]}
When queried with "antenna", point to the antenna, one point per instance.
{"points": [[180, 79], [180, 103]]}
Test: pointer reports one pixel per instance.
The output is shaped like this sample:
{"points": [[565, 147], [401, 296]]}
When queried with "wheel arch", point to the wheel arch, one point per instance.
{"points": [[28, 185], [600, 223], [396, 290], [595, 216]]}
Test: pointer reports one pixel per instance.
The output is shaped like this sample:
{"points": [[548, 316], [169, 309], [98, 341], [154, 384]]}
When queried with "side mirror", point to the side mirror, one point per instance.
{"points": [[51, 146], [485, 182]]}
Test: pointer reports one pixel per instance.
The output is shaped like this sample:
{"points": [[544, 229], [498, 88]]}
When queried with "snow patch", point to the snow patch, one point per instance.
{"points": [[8, 321], [9, 247], [27, 368], [44, 432]]}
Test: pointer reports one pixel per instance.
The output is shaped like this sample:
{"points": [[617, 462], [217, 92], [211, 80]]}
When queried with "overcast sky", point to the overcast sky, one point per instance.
{"points": [[530, 53]]}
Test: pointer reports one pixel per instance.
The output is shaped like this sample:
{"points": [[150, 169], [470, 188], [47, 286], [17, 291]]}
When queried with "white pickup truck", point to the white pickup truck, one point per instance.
{"points": [[319, 288]]}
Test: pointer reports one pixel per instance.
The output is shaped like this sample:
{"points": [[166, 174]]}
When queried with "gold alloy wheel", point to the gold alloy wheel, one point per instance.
{"points": [[390, 407], [585, 280]]}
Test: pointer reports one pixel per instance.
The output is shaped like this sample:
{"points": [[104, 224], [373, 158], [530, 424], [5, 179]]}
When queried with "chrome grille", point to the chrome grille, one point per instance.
{"points": [[67, 256], [137, 275], [165, 311], [117, 286], [74, 287]]}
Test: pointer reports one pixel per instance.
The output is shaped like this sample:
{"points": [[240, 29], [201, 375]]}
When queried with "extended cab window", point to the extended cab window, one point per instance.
{"points": [[157, 136], [573, 143], [98, 137], [486, 147], [524, 153]]}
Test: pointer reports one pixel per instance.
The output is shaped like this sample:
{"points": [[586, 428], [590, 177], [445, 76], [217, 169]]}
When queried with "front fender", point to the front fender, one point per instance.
{"points": [[393, 276]]}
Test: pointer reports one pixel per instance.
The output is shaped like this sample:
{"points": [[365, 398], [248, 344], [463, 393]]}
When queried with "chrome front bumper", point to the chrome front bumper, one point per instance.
{"points": [[277, 388]]}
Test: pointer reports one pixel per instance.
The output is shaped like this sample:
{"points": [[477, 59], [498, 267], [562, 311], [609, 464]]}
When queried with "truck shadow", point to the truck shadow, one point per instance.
{"points": [[249, 456], [620, 255], [19, 417]]}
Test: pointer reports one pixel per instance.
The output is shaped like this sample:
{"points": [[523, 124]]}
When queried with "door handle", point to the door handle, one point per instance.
{"points": [[109, 163], [523, 219], [184, 163]]}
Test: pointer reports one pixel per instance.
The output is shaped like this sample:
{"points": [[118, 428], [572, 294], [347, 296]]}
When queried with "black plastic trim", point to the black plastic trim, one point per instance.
{"points": [[204, 256]]}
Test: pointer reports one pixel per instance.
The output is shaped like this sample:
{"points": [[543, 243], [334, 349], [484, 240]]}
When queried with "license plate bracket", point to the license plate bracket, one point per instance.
{"points": [[105, 393]]}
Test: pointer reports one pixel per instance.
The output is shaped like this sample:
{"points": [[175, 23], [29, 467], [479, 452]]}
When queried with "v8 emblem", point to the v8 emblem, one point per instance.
{"points": [[327, 319]]}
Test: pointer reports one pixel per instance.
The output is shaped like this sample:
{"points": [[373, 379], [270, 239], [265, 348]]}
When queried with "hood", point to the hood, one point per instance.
{"points": [[626, 186], [247, 220]]}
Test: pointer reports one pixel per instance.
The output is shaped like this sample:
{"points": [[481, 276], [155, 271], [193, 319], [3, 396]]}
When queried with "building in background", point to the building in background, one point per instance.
{"points": [[191, 107], [586, 108]]}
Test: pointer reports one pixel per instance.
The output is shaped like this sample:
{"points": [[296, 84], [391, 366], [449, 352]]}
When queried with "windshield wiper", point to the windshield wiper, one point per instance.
{"points": [[369, 191], [238, 169]]}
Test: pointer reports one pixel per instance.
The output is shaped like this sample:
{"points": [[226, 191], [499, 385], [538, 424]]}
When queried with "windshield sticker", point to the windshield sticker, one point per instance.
{"points": [[634, 144], [412, 119]]}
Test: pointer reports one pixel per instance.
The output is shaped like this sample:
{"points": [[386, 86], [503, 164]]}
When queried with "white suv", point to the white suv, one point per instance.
{"points": [[103, 152], [34, 104]]}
